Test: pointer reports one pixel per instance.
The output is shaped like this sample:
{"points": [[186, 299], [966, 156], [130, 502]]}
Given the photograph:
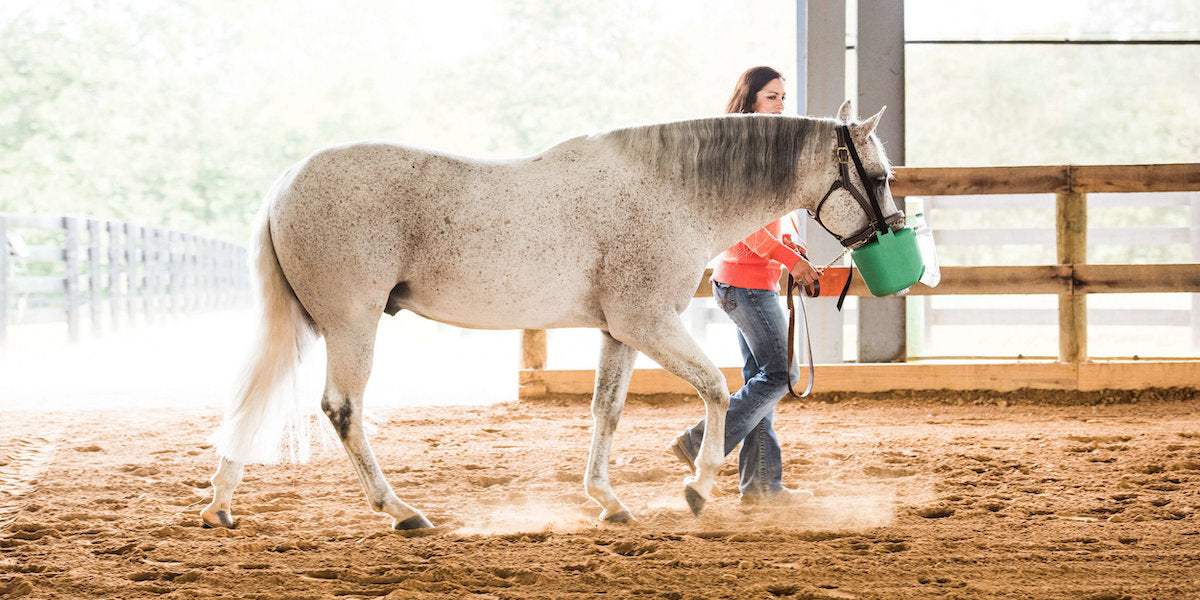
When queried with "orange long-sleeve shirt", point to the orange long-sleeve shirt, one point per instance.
{"points": [[755, 261]]}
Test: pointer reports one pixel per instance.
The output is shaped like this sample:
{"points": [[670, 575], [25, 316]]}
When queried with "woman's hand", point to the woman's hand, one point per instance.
{"points": [[787, 241], [804, 272]]}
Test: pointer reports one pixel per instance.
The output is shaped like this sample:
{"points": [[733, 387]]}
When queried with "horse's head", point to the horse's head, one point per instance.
{"points": [[858, 209], [860, 196]]}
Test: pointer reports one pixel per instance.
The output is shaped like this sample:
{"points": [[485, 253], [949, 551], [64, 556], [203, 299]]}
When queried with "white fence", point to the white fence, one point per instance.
{"points": [[55, 268]]}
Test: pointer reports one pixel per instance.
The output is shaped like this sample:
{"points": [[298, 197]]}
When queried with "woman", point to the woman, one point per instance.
{"points": [[746, 286]]}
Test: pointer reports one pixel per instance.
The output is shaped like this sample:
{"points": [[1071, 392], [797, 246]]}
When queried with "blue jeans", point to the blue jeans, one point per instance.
{"points": [[762, 336]]}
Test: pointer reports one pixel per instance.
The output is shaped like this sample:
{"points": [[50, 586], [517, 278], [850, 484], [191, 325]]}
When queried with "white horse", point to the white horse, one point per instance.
{"points": [[611, 231]]}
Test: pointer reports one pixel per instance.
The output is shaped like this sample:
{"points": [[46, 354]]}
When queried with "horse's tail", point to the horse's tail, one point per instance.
{"points": [[267, 418]]}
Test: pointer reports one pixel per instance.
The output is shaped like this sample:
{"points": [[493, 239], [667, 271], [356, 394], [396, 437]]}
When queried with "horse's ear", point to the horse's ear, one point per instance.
{"points": [[868, 126], [844, 113]]}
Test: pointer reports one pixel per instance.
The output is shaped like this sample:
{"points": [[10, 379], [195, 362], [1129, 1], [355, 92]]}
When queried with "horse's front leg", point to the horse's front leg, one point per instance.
{"points": [[662, 336], [612, 381]]}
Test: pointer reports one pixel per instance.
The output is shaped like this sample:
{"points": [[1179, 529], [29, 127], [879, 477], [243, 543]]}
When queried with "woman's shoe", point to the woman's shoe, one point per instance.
{"points": [[783, 497]]}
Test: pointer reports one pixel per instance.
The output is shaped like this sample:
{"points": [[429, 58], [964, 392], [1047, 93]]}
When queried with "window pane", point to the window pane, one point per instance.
{"points": [[1000, 229], [984, 325], [1144, 325], [1060, 19], [1043, 104]]}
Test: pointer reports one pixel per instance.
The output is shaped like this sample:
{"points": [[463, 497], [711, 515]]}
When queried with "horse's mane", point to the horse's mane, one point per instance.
{"points": [[734, 156]]}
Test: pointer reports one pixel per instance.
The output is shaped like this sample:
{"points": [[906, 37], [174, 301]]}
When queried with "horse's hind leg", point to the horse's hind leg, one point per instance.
{"points": [[219, 513], [664, 338], [612, 381], [350, 351]]}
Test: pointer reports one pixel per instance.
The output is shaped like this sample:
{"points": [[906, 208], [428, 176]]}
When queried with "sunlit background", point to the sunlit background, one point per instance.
{"points": [[179, 115]]}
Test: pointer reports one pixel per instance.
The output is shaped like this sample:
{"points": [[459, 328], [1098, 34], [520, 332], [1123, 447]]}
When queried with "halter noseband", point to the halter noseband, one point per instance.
{"points": [[845, 153]]}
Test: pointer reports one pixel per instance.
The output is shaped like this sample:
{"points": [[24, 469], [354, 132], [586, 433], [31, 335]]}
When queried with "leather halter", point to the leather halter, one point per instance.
{"points": [[845, 153], [877, 224]]}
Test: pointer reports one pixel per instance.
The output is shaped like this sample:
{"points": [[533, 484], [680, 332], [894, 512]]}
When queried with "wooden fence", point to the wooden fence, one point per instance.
{"points": [[116, 273], [1071, 279], [1157, 236]]}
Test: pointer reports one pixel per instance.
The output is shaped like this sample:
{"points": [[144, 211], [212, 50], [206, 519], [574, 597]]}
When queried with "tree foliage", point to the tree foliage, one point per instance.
{"points": [[181, 114]]}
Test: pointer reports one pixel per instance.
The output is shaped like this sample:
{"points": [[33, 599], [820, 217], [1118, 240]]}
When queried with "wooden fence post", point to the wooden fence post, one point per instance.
{"points": [[133, 280], [147, 263], [175, 274], [185, 272], [533, 349], [1195, 258], [202, 274], [3, 280], [193, 285], [71, 252], [210, 273], [231, 270], [533, 361], [94, 285], [222, 273], [154, 272], [235, 279], [242, 273], [115, 267], [1071, 242], [157, 263]]}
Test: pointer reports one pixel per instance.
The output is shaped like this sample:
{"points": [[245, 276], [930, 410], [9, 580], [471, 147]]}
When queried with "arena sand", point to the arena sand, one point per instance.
{"points": [[912, 500]]}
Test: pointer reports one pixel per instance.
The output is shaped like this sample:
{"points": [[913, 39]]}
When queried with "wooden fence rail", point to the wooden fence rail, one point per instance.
{"points": [[1160, 236], [1072, 278], [141, 273]]}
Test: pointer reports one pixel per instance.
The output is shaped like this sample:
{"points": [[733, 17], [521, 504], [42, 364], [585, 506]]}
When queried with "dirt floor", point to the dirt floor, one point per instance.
{"points": [[913, 500]]}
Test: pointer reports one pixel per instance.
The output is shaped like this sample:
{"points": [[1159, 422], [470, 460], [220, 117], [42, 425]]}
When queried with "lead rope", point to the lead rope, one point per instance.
{"points": [[812, 371], [792, 286]]}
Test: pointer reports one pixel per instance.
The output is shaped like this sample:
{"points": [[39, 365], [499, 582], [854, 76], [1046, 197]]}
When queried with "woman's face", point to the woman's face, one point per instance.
{"points": [[770, 98]]}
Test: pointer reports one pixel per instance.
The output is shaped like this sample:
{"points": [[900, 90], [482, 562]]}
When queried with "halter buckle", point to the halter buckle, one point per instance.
{"points": [[841, 154]]}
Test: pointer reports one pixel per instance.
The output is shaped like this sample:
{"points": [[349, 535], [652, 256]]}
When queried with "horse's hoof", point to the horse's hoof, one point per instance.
{"points": [[219, 518], [417, 521], [694, 500], [622, 516]]}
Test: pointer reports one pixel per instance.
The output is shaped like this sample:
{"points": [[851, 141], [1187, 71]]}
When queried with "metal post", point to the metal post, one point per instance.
{"points": [[881, 321], [821, 89]]}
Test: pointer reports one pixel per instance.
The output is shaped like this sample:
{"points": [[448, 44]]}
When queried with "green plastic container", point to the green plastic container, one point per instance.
{"points": [[890, 263]]}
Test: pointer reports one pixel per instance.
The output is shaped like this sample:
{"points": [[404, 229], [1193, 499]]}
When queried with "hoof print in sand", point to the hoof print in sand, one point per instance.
{"points": [[935, 512]]}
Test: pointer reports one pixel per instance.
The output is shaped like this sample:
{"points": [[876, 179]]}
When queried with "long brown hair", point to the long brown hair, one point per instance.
{"points": [[748, 86]]}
